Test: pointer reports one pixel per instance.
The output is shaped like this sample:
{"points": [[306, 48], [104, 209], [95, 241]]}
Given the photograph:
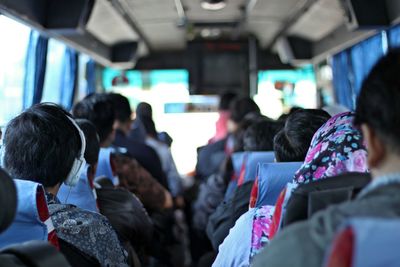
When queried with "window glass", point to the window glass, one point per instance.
{"points": [[13, 47], [54, 69]]}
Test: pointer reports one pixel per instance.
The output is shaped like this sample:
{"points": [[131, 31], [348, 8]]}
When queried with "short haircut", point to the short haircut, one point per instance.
{"points": [[41, 145], [241, 107], [260, 136], [149, 126], [122, 107], [293, 141], [225, 100], [92, 141], [98, 109], [144, 110], [378, 102]]}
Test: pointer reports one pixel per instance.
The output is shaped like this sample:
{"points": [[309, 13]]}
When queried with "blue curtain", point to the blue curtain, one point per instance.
{"points": [[341, 80], [363, 57], [69, 78], [35, 69], [91, 77], [394, 36]]}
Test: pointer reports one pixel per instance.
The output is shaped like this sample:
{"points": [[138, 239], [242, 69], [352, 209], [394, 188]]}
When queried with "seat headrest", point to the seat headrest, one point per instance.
{"points": [[8, 200], [32, 213], [104, 168], [237, 162], [80, 195], [370, 242], [272, 179], [253, 159]]}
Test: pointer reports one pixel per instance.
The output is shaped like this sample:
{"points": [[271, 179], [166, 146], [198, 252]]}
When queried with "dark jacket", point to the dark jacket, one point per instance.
{"points": [[145, 155], [210, 158], [305, 244], [226, 214]]}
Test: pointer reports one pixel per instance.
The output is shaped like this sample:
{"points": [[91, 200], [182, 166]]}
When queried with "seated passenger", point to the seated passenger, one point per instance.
{"points": [[378, 116], [82, 195], [258, 137], [299, 129], [43, 144], [145, 155], [98, 109], [163, 151], [221, 126]]}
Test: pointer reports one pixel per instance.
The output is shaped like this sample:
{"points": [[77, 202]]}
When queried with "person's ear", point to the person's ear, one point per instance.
{"points": [[376, 148]]}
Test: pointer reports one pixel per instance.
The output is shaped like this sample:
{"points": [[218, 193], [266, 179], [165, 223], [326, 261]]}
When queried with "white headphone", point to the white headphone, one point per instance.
{"points": [[79, 162]]}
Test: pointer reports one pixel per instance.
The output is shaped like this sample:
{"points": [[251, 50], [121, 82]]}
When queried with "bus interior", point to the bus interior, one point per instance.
{"points": [[181, 56]]}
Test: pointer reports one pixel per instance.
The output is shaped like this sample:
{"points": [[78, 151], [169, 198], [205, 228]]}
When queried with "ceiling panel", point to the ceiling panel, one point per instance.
{"points": [[265, 31], [321, 19], [275, 9], [165, 36], [196, 13]]}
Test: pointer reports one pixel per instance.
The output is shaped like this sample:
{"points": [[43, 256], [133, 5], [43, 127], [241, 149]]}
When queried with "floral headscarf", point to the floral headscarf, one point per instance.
{"points": [[336, 148]]}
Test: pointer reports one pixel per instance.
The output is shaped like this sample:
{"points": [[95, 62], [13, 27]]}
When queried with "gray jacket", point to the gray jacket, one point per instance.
{"points": [[305, 244]]}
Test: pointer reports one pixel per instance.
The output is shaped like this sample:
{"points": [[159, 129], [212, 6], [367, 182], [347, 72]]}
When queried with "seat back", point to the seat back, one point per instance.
{"points": [[366, 242], [104, 166], [253, 159], [272, 179], [32, 220], [238, 163], [81, 195]]}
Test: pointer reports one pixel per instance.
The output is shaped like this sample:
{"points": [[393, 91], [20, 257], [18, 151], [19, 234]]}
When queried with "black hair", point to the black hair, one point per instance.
{"points": [[149, 126], [225, 100], [378, 102], [92, 141], [241, 107], [122, 107], [144, 110], [292, 142], [98, 109], [260, 135], [41, 145]]}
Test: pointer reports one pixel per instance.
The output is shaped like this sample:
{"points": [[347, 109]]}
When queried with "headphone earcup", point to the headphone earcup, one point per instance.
{"points": [[8, 200]]}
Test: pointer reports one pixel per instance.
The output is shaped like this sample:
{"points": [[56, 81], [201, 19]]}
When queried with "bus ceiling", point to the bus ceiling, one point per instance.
{"points": [[167, 33]]}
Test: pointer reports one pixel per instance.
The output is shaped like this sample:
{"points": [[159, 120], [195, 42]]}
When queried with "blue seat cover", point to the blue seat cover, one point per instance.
{"points": [[376, 242], [80, 195], [104, 165], [253, 159], [237, 162], [272, 179], [27, 225]]}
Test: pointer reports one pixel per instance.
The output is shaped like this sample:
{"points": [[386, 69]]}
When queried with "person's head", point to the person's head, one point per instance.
{"points": [[144, 110], [241, 108], [293, 140], [260, 135], [123, 112], [92, 144], [336, 148], [41, 145], [378, 114], [149, 126], [98, 109], [225, 100]]}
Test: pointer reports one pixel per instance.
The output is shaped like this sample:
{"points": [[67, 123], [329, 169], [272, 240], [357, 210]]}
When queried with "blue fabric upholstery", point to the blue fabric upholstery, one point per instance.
{"points": [[272, 179], [27, 225], [104, 165], [253, 160], [80, 195], [237, 162], [376, 242]]}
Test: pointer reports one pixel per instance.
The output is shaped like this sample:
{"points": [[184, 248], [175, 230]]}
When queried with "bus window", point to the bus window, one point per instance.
{"points": [[174, 110], [279, 90], [12, 68]]}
